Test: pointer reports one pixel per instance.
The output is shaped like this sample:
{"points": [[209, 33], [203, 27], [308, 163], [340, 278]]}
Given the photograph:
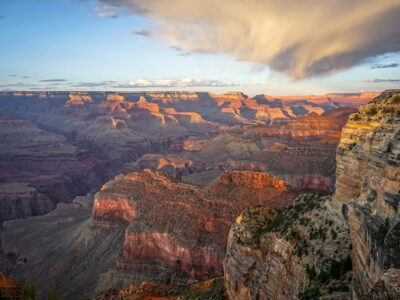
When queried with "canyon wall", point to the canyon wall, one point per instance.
{"points": [[368, 183], [39, 169]]}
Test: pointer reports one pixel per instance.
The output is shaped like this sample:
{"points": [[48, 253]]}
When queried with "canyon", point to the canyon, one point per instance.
{"points": [[339, 247], [152, 194], [58, 145]]}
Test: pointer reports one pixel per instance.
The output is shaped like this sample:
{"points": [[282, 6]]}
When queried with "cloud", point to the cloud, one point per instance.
{"points": [[156, 83], [2, 16], [12, 75], [141, 32], [17, 85], [53, 80], [394, 65], [103, 8], [92, 84], [300, 38], [106, 11], [180, 51], [153, 83], [108, 14], [383, 80]]}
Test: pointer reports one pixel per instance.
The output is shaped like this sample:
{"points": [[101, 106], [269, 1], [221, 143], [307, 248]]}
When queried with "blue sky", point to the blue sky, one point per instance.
{"points": [[68, 44]]}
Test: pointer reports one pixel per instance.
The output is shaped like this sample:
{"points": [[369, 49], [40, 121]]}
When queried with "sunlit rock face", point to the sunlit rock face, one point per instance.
{"points": [[368, 183], [250, 179], [178, 225], [301, 152]]}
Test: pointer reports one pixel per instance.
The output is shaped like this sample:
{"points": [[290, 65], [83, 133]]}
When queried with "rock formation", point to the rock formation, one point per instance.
{"points": [[144, 226], [289, 253], [301, 152], [211, 289], [368, 183]]}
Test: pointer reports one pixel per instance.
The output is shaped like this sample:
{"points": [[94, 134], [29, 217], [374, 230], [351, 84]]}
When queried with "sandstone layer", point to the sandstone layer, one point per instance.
{"points": [[368, 183]]}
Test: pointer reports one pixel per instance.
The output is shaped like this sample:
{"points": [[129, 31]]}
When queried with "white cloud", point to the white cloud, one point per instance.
{"points": [[300, 38], [155, 83], [106, 11]]}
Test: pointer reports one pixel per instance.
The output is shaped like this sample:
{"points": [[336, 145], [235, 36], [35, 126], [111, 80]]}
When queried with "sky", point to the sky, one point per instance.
{"points": [[257, 47]]}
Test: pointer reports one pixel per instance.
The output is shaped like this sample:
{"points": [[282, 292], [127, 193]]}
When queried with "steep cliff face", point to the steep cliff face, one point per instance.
{"points": [[298, 252], [368, 183]]}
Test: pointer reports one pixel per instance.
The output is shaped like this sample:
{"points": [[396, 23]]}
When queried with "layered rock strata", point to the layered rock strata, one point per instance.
{"points": [[368, 183], [38, 169]]}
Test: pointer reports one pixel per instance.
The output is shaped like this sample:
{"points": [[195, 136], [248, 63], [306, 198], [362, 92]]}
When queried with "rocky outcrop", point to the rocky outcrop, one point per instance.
{"points": [[298, 252], [211, 289], [255, 180], [368, 183]]}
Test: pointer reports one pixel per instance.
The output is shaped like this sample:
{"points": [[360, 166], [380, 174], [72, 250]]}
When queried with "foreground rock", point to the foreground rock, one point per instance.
{"points": [[211, 289], [298, 252], [368, 183]]}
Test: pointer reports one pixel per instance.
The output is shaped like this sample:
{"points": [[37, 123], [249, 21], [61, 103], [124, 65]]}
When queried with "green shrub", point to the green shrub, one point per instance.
{"points": [[310, 294], [396, 99], [372, 111], [382, 232], [333, 234], [311, 272], [323, 277]]}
